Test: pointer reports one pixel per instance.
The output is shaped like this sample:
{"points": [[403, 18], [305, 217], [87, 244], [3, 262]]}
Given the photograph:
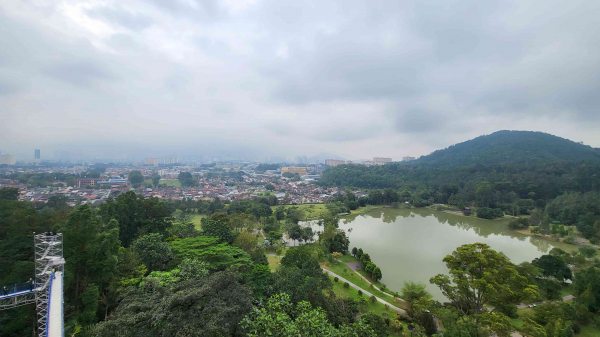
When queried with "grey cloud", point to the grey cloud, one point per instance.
{"points": [[122, 17], [79, 72], [420, 121]]}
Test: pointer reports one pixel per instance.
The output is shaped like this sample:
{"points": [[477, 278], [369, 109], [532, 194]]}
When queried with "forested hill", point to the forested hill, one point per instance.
{"points": [[511, 147]]}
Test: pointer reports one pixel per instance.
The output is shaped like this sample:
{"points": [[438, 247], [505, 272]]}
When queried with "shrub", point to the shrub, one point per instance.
{"points": [[279, 251], [335, 279], [336, 255], [373, 299], [346, 285], [489, 213], [360, 293]]}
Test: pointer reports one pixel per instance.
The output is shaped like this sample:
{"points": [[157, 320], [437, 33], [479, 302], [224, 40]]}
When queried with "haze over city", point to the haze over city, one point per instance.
{"points": [[254, 79]]}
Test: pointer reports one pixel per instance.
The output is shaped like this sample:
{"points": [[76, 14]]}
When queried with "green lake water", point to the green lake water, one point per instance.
{"points": [[409, 244]]}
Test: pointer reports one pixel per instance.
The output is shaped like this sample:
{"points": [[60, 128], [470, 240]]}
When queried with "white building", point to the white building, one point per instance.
{"points": [[7, 159]]}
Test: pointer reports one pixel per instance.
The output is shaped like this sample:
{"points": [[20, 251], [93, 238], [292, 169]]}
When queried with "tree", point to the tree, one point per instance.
{"points": [[136, 216], [186, 179], [412, 291], [280, 213], [246, 241], [218, 256], [269, 187], [297, 257], [217, 229], [587, 289], [213, 306], [155, 180], [279, 317], [376, 274], [136, 177], [9, 193], [588, 252], [369, 268], [480, 275], [354, 251], [155, 253], [295, 232], [359, 253], [553, 266], [338, 243], [364, 258]]}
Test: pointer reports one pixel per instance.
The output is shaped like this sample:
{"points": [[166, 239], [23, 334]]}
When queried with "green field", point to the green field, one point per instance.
{"points": [[345, 272], [196, 220], [273, 262], [350, 258], [170, 182]]}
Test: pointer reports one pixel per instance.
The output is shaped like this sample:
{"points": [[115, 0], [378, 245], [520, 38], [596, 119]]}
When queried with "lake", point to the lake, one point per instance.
{"points": [[409, 244]]}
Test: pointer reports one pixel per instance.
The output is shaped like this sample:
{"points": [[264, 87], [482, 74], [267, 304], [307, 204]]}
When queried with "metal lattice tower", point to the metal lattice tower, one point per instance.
{"points": [[48, 260]]}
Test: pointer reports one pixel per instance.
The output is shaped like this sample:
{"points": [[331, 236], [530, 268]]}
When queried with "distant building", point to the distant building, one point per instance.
{"points": [[301, 171], [152, 161], [37, 154], [170, 160], [334, 162], [407, 158], [381, 160], [7, 159]]}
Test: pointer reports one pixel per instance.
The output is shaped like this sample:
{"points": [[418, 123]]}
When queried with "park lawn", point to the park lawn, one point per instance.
{"points": [[197, 220], [377, 307], [517, 323], [338, 268], [349, 258], [170, 182], [567, 290], [588, 331], [274, 262]]}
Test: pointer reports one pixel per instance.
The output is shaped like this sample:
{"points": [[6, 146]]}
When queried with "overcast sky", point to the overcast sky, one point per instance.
{"points": [[257, 78]]}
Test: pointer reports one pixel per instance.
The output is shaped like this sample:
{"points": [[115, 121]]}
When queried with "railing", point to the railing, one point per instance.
{"points": [[16, 289]]}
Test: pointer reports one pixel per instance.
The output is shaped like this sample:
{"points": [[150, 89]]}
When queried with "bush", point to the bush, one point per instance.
{"points": [[518, 223], [360, 293], [279, 251], [488, 213], [508, 309], [346, 285], [373, 299], [335, 279]]}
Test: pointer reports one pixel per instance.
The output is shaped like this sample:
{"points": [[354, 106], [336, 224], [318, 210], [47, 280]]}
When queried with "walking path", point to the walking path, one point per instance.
{"points": [[393, 307], [354, 266]]}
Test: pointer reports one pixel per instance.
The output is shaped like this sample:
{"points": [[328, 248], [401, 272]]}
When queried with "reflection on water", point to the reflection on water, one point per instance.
{"points": [[409, 244]]}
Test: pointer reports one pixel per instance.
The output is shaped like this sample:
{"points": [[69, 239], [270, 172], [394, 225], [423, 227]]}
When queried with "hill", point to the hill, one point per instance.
{"points": [[511, 147]]}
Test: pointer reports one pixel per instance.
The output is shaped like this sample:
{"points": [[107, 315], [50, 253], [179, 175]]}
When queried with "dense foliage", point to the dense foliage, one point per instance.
{"points": [[511, 147]]}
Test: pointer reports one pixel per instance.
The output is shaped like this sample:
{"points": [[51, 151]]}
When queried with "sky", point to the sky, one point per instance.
{"points": [[258, 78]]}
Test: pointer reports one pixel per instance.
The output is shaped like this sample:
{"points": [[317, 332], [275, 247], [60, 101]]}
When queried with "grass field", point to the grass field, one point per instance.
{"points": [[273, 262], [350, 258], [345, 272], [377, 307], [170, 182], [196, 220]]}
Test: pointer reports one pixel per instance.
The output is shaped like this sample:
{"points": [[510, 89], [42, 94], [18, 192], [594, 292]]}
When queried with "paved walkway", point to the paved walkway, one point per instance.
{"points": [[355, 266], [393, 307]]}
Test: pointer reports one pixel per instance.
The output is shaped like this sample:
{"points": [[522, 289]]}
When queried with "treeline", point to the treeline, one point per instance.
{"points": [[132, 270], [564, 192]]}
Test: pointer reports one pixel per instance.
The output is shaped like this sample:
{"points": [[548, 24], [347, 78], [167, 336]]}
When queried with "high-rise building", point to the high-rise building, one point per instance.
{"points": [[37, 153], [407, 158], [152, 161], [7, 159], [381, 160], [170, 160]]}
